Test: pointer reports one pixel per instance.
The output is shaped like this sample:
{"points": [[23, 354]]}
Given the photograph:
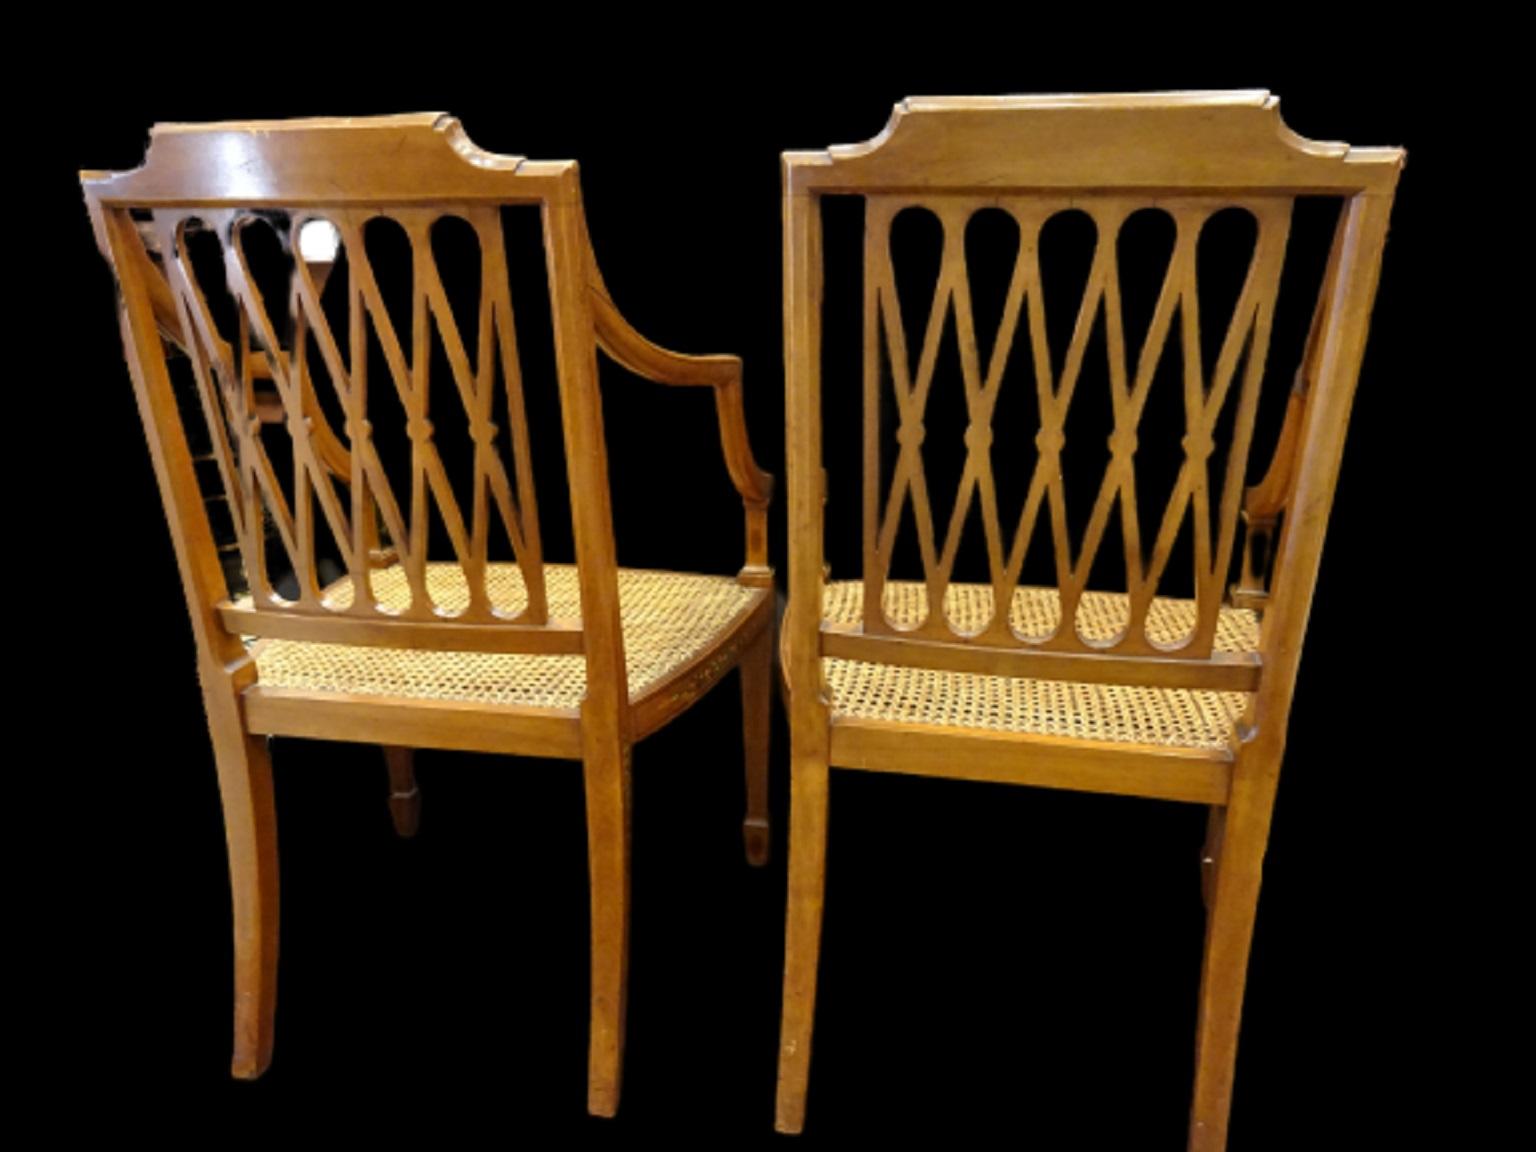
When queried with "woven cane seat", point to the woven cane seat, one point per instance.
{"points": [[669, 619], [1169, 717]]}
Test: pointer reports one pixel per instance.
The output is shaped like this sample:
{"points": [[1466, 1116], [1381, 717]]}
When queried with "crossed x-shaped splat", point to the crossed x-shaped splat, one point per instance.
{"points": [[370, 486], [1245, 341]]}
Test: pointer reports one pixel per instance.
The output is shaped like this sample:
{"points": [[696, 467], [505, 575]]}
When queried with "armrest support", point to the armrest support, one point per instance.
{"points": [[1266, 501], [628, 348]]}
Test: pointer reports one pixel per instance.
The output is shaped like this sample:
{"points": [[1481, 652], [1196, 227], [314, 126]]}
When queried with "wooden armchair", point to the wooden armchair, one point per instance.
{"points": [[1089, 682], [259, 319]]}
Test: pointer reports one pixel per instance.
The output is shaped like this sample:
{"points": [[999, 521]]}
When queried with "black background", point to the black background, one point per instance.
{"points": [[994, 959]]}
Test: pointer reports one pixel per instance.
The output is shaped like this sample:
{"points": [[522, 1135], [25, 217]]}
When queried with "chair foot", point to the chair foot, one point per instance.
{"points": [[602, 1101], [754, 833], [404, 795], [790, 1125], [250, 1065], [405, 810]]}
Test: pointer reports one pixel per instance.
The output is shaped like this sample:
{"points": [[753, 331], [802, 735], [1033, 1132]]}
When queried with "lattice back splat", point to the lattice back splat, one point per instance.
{"points": [[1238, 368], [226, 371], [275, 350]]}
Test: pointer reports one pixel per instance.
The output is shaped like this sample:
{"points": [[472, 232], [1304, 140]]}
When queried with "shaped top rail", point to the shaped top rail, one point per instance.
{"points": [[332, 161], [1187, 141]]}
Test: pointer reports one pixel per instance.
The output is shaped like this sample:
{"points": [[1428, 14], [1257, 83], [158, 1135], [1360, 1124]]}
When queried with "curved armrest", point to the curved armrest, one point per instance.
{"points": [[628, 348]]}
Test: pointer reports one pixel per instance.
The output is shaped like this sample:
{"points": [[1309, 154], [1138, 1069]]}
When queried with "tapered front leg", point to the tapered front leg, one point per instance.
{"points": [[250, 834], [756, 712], [1236, 841], [802, 932], [404, 795], [607, 769]]}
